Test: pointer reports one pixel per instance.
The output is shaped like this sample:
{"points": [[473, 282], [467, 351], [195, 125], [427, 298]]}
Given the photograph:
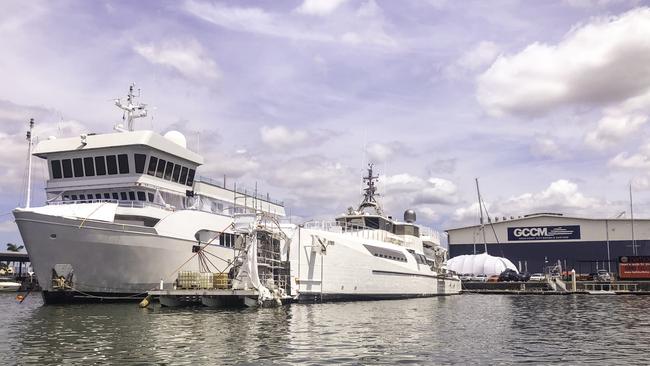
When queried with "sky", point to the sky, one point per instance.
{"points": [[545, 102]]}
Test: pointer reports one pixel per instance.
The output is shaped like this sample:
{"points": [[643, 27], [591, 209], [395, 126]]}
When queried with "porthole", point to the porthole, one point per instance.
{"points": [[52, 236]]}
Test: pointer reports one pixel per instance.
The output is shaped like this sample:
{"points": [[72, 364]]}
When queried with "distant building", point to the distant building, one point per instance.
{"points": [[533, 241]]}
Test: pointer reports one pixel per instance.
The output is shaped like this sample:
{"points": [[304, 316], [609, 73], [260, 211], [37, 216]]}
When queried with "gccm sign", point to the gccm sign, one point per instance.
{"points": [[544, 233]]}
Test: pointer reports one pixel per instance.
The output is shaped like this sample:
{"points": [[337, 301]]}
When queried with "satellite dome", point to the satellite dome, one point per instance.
{"points": [[409, 216], [177, 138]]}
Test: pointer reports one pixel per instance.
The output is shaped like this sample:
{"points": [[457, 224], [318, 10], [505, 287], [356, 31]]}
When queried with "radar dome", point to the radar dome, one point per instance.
{"points": [[409, 216], [177, 138]]}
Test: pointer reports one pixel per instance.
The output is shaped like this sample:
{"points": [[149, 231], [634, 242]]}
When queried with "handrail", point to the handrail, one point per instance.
{"points": [[245, 191], [120, 203]]}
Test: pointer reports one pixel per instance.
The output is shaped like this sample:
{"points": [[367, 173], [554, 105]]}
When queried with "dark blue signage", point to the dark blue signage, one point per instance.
{"points": [[569, 232]]}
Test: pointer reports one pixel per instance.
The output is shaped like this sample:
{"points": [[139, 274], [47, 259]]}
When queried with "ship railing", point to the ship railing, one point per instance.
{"points": [[427, 231], [120, 203], [345, 228], [241, 190]]}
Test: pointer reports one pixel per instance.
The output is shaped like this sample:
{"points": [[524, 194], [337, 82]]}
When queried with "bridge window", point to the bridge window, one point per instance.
{"points": [[78, 167], [132, 195], [190, 177], [74, 197], [67, 168], [98, 196], [177, 173], [123, 196], [89, 167], [168, 170], [123, 160], [139, 162], [107, 196], [111, 164], [141, 196], [82, 197], [183, 175], [56, 169], [161, 168], [150, 196], [115, 196], [152, 165], [100, 165]]}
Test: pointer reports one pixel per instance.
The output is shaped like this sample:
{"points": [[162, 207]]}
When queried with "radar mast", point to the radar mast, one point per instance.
{"points": [[370, 192], [132, 110]]}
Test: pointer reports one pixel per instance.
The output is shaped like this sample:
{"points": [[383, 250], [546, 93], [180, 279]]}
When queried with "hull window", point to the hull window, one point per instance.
{"points": [[78, 167], [139, 162], [386, 253], [111, 164], [123, 161], [56, 169], [67, 168], [100, 165]]}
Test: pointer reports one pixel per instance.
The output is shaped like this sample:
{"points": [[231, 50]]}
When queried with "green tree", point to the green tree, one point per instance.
{"points": [[11, 247]]}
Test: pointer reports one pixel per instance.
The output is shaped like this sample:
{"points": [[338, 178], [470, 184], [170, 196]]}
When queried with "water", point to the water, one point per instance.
{"points": [[466, 329]]}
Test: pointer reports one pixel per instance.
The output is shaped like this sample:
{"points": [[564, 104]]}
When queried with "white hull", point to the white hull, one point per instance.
{"points": [[107, 258], [348, 270], [9, 286]]}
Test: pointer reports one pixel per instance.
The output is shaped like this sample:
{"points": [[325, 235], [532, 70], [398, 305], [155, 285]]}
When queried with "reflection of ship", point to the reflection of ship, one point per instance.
{"points": [[8, 285], [367, 255], [122, 212]]}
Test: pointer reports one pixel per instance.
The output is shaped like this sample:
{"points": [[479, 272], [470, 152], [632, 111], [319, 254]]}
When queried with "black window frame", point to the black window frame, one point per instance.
{"points": [[131, 196], [111, 164], [190, 177], [160, 169], [57, 171], [89, 168], [66, 164], [153, 162], [123, 196], [168, 170], [115, 195], [78, 167], [100, 165], [140, 161], [141, 196], [123, 163], [183, 178]]}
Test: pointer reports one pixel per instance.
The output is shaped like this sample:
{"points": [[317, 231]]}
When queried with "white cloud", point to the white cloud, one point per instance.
{"points": [[481, 55], [234, 165], [406, 189], [319, 7], [597, 3], [603, 61], [187, 58], [640, 160], [284, 138], [546, 147], [612, 130]]}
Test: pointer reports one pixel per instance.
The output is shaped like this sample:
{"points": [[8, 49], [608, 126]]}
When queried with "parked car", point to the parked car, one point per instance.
{"points": [[480, 278], [466, 277], [602, 276], [510, 275], [537, 277], [493, 278]]}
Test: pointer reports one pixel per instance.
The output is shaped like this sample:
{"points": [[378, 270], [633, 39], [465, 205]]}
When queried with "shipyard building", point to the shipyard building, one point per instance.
{"points": [[535, 241]]}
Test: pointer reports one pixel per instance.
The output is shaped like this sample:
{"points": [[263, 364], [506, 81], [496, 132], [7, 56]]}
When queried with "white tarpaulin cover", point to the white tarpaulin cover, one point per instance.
{"points": [[101, 211], [479, 264]]}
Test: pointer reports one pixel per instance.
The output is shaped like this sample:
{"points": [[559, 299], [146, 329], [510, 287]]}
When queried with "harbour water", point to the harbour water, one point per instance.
{"points": [[466, 329]]}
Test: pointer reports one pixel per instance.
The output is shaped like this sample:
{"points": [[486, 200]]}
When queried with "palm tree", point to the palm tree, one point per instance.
{"points": [[11, 247]]}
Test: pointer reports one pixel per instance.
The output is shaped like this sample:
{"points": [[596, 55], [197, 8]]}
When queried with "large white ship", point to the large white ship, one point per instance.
{"points": [[365, 254], [124, 210]]}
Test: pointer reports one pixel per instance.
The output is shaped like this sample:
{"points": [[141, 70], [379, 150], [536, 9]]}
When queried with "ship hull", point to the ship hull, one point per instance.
{"points": [[108, 261]]}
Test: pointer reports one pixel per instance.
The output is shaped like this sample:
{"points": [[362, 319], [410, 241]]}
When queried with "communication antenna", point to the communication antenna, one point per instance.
{"points": [[632, 221], [132, 110], [480, 207], [30, 140]]}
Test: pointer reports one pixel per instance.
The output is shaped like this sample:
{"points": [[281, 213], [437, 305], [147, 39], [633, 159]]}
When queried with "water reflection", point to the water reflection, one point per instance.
{"points": [[468, 329]]}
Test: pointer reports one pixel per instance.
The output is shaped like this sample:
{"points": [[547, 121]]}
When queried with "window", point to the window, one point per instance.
{"points": [[123, 196], [111, 164], [98, 196], [115, 196], [100, 165], [66, 198], [89, 167], [152, 165], [78, 167], [190, 177], [132, 196], [67, 168], [74, 197], [161, 168], [183, 175], [141, 196], [107, 196], [123, 161], [150, 196], [82, 197], [56, 169], [139, 162], [177, 173], [168, 170]]}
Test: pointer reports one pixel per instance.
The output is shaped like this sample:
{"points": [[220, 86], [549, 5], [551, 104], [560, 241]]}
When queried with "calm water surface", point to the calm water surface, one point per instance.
{"points": [[466, 329]]}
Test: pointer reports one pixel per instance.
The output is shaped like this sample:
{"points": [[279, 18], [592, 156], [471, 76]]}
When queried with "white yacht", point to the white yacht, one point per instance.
{"points": [[365, 254], [124, 210]]}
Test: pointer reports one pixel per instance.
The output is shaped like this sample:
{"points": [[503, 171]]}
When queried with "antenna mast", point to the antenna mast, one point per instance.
{"points": [[370, 192], [29, 163], [632, 221], [132, 110]]}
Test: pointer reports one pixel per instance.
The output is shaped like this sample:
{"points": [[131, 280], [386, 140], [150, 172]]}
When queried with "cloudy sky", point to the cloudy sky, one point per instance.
{"points": [[546, 102]]}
